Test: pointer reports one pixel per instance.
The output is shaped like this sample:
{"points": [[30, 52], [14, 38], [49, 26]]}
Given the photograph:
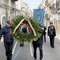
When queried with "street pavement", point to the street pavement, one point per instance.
{"points": [[24, 53]]}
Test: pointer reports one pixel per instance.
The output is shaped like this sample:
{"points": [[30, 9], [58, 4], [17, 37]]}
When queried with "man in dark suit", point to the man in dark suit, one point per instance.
{"points": [[44, 34], [38, 44], [0, 25], [51, 34]]}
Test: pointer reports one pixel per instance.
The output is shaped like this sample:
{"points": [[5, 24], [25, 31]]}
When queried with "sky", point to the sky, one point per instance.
{"points": [[33, 4]]}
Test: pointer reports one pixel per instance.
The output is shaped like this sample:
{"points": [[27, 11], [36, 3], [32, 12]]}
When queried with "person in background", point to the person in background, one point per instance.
{"points": [[24, 29], [0, 25], [38, 44], [51, 34], [44, 34], [8, 40], [0, 29]]}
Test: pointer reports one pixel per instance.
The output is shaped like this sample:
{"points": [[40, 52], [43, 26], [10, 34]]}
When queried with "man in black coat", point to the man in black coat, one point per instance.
{"points": [[8, 40], [44, 34], [51, 34], [0, 25], [38, 44], [24, 30]]}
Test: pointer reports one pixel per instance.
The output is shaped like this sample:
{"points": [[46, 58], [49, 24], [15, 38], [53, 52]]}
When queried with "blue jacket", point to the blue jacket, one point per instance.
{"points": [[5, 31]]}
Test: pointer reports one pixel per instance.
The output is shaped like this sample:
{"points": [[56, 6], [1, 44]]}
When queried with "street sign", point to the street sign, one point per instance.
{"points": [[38, 14]]}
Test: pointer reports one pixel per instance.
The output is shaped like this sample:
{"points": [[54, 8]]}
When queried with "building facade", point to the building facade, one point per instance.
{"points": [[24, 8], [55, 10], [6, 10]]}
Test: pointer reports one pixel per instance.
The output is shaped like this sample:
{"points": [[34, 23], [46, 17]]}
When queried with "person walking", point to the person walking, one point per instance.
{"points": [[44, 34], [24, 29], [8, 40], [0, 25], [51, 34], [38, 44]]}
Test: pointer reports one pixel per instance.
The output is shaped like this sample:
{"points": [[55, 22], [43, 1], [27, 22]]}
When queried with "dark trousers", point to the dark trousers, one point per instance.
{"points": [[44, 36], [52, 42], [8, 49], [41, 52]]}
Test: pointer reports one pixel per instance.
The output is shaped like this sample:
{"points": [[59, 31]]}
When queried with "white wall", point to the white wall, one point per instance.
{"points": [[18, 4]]}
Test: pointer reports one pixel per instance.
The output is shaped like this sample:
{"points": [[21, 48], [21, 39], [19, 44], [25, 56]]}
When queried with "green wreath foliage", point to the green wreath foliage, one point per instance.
{"points": [[20, 36]]}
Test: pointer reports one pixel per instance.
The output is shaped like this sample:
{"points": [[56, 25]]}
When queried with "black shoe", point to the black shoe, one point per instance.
{"points": [[20, 45], [52, 46], [9, 58], [41, 59]]}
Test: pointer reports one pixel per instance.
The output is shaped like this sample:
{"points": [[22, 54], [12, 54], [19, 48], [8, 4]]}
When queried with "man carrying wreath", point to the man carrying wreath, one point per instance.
{"points": [[38, 44]]}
